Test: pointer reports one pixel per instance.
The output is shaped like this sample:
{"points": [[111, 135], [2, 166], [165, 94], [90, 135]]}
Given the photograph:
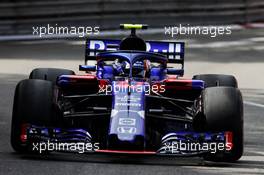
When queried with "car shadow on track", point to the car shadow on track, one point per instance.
{"points": [[138, 160]]}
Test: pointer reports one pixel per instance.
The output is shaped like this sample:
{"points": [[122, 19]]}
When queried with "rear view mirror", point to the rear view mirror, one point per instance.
{"points": [[87, 68]]}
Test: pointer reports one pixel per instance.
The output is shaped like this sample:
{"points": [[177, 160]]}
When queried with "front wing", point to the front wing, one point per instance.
{"points": [[180, 143]]}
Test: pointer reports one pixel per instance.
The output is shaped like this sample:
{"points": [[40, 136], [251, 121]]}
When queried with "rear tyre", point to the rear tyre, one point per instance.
{"points": [[212, 80], [223, 111], [33, 104], [49, 74]]}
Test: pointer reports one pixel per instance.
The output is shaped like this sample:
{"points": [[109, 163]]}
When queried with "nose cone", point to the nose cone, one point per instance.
{"points": [[127, 124]]}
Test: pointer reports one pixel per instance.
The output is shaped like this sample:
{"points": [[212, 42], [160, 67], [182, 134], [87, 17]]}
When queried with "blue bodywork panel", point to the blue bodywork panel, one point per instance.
{"points": [[127, 121]]}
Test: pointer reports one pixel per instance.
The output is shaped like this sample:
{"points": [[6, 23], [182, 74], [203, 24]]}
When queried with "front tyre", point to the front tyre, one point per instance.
{"points": [[33, 104], [223, 111]]}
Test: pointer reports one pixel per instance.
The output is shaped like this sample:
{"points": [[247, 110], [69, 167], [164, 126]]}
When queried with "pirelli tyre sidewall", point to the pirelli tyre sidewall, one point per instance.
{"points": [[49, 74], [223, 111], [33, 104]]}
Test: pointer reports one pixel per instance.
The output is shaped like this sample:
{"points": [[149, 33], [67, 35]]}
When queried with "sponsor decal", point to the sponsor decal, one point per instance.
{"points": [[127, 121], [126, 130]]}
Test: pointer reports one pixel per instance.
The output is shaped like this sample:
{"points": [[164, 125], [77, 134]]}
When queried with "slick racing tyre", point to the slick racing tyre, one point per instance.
{"points": [[212, 80], [49, 74], [33, 104], [223, 111]]}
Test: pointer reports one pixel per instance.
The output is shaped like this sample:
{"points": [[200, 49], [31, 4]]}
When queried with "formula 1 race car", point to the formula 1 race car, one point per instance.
{"points": [[129, 102]]}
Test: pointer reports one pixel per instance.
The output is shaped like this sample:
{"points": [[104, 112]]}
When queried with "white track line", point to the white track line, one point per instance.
{"points": [[253, 104]]}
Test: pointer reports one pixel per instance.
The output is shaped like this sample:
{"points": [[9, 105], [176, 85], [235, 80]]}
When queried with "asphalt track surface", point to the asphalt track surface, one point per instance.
{"points": [[246, 48]]}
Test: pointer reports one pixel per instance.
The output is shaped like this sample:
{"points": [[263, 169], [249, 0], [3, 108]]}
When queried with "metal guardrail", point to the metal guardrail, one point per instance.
{"points": [[19, 17]]}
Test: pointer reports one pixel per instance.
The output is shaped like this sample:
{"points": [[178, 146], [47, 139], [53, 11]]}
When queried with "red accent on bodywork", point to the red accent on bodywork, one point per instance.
{"points": [[125, 152], [23, 134], [90, 77], [123, 83], [229, 141], [178, 84], [178, 80], [103, 83]]}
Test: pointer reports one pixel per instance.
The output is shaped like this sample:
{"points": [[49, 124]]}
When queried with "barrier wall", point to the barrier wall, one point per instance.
{"points": [[18, 16]]}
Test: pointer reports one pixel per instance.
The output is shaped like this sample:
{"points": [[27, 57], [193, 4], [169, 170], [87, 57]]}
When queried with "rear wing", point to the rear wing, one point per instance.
{"points": [[174, 51]]}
